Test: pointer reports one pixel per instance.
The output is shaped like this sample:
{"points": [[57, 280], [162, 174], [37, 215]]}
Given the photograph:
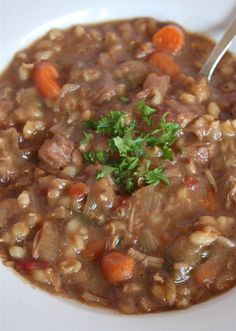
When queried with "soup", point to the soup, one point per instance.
{"points": [[118, 167]]}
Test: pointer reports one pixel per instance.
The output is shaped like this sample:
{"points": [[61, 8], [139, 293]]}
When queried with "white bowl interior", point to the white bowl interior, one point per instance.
{"points": [[23, 308]]}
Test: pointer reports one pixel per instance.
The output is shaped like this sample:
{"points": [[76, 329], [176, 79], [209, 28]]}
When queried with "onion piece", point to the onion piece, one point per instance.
{"points": [[145, 260], [46, 245], [148, 241], [67, 88]]}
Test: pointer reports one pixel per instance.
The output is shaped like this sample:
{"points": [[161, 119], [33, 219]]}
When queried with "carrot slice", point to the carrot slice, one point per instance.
{"points": [[46, 76], [165, 62], [117, 267], [78, 191], [169, 39], [94, 250]]}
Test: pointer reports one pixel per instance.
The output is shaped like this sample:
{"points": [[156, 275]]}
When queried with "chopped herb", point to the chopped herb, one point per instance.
{"points": [[125, 152], [89, 156], [87, 137], [102, 156], [128, 145], [164, 136], [146, 111], [155, 176], [124, 100], [167, 153], [90, 125], [120, 144], [167, 131], [129, 185], [105, 171], [112, 124]]}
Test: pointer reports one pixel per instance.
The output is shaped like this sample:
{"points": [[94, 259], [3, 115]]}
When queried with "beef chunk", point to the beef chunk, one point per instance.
{"points": [[56, 152], [157, 85], [154, 81], [133, 71], [182, 114]]}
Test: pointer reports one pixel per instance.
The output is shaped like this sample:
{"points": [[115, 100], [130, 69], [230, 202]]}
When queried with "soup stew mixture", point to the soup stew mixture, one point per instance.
{"points": [[118, 166]]}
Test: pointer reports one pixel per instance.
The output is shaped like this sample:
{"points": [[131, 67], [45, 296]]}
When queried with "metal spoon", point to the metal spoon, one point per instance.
{"points": [[218, 51]]}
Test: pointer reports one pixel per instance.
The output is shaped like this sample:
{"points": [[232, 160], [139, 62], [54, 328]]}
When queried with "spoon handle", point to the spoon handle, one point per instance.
{"points": [[218, 51]]}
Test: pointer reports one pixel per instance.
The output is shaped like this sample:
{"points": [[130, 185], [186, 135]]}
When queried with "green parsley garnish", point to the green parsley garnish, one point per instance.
{"points": [[105, 171], [164, 136], [146, 111], [89, 156], [155, 176], [112, 124], [126, 153], [167, 131], [102, 157], [90, 125], [86, 138]]}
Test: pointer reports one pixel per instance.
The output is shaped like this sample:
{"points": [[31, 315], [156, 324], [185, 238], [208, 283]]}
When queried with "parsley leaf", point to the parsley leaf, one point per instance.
{"points": [[112, 124], [105, 171], [128, 145], [129, 163], [164, 136], [90, 125], [129, 185], [89, 156], [167, 131], [102, 157], [146, 111], [87, 137], [167, 153], [125, 154], [121, 144], [155, 176], [124, 100]]}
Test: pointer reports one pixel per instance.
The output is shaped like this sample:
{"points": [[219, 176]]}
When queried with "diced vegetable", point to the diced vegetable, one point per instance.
{"points": [[165, 62], [170, 39], [117, 267], [46, 76]]}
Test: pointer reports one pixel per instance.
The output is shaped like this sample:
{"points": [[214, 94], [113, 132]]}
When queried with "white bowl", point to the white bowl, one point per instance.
{"points": [[22, 307]]}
